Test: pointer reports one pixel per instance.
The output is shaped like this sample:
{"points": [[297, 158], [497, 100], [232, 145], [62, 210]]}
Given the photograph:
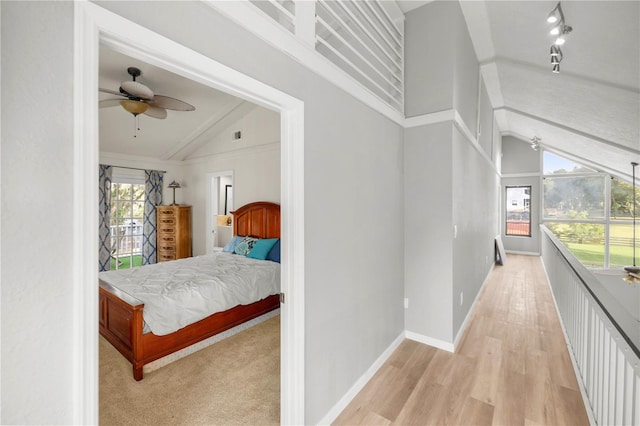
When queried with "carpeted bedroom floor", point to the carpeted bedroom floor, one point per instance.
{"points": [[233, 382]]}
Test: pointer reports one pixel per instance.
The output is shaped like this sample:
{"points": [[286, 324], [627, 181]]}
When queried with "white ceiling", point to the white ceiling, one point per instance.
{"points": [[178, 135], [589, 112]]}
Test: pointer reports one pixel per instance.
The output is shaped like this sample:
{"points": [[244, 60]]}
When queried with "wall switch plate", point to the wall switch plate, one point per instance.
{"points": [[455, 231], [461, 298], [406, 303]]}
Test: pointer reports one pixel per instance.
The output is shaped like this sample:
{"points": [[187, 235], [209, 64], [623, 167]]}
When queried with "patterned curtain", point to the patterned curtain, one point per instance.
{"points": [[152, 198], [104, 232]]}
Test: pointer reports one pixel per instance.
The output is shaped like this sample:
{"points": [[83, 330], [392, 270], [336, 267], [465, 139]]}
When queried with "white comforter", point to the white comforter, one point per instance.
{"points": [[181, 292]]}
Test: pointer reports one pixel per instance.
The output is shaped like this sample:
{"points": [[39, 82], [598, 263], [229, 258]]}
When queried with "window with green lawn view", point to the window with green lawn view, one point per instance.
{"points": [[589, 211], [126, 222]]}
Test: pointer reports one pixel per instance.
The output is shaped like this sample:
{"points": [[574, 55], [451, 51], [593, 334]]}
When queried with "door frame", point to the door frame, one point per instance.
{"points": [[95, 26], [213, 195]]}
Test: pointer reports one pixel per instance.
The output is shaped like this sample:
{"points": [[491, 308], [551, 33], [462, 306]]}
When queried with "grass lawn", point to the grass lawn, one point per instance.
{"points": [[125, 262], [592, 254]]}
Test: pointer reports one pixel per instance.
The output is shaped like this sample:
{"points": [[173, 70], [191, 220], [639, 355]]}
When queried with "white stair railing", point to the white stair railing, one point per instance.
{"points": [[607, 359]]}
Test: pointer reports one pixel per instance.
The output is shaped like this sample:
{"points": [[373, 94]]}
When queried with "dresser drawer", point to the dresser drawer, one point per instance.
{"points": [[166, 212], [167, 247], [166, 238], [166, 255], [166, 229], [166, 220]]}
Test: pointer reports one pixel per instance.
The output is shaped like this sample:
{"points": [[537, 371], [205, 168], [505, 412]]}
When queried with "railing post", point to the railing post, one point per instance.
{"points": [[305, 23]]}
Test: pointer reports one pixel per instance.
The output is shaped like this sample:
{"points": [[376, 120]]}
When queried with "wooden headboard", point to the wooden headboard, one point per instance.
{"points": [[260, 219]]}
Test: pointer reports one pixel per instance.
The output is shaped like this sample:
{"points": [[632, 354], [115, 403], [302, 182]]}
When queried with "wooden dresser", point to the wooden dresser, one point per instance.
{"points": [[174, 232]]}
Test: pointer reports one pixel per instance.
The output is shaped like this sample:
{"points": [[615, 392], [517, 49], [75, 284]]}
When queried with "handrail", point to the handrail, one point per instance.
{"points": [[574, 264]]}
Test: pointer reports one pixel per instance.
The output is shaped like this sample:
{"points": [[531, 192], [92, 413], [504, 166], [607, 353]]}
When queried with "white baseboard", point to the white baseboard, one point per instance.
{"points": [[360, 383], [526, 253], [463, 327], [430, 341]]}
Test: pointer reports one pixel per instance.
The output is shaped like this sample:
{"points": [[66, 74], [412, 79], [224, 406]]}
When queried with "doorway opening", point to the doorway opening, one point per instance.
{"points": [[95, 26], [219, 208]]}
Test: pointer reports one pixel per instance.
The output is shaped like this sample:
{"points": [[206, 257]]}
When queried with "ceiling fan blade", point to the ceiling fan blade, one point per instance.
{"points": [[137, 89], [109, 103], [156, 112], [171, 103], [112, 92]]}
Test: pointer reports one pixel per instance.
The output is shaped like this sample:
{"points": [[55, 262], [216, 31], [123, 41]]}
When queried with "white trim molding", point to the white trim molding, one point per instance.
{"points": [[95, 27], [430, 341], [450, 115], [465, 323], [250, 18], [335, 411]]}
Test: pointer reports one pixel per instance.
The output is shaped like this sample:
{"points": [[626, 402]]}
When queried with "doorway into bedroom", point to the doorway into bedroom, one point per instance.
{"points": [[224, 154]]}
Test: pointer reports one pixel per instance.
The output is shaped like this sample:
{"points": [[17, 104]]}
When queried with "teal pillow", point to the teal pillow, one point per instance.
{"points": [[262, 248]]}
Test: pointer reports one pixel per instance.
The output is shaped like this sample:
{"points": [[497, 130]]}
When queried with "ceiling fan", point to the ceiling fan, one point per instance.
{"points": [[136, 98]]}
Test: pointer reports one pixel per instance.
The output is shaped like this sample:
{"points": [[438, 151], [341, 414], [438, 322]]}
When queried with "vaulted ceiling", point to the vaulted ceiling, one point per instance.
{"points": [[181, 132], [589, 112]]}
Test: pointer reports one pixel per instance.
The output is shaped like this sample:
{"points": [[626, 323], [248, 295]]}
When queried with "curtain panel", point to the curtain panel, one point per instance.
{"points": [[104, 231], [153, 198]]}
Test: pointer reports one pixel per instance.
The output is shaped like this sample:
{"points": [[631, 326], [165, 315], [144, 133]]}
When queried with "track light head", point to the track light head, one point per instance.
{"points": [[555, 50], [555, 15], [556, 69]]}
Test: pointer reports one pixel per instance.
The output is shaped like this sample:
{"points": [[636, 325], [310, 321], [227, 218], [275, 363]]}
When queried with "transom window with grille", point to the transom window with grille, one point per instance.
{"points": [[126, 223]]}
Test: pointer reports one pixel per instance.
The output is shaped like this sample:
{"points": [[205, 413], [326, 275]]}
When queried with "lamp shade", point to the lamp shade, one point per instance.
{"points": [[174, 185]]}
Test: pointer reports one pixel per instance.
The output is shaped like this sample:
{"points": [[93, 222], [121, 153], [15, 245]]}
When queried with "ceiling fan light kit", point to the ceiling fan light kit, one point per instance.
{"points": [[140, 99], [559, 30]]}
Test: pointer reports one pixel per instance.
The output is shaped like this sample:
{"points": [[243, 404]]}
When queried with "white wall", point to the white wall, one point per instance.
{"points": [[353, 172], [254, 161]]}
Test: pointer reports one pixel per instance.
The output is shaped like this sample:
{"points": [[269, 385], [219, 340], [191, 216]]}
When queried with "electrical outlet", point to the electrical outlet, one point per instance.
{"points": [[461, 298], [406, 303]]}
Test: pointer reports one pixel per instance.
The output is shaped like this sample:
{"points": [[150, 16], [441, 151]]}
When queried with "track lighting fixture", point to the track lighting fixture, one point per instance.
{"points": [[560, 30], [535, 143], [554, 15]]}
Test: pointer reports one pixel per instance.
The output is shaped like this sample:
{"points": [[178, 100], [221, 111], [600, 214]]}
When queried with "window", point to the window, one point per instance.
{"points": [[127, 213], [589, 211], [518, 213]]}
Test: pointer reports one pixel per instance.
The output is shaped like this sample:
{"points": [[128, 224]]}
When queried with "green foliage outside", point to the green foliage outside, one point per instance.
{"points": [[586, 242], [124, 262]]}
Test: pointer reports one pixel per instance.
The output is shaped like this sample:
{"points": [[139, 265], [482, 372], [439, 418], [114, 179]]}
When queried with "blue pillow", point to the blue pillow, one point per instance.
{"points": [[274, 254], [262, 248], [231, 245]]}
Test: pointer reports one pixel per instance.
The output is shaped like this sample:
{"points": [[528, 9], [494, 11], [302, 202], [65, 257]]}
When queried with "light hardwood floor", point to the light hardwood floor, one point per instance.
{"points": [[511, 368]]}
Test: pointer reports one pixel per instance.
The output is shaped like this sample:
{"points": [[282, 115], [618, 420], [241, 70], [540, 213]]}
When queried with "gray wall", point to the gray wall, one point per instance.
{"points": [[428, 230], [521, 167], [37, 233], [475, 201], [428, 61], [353, 171], [448, 182]]}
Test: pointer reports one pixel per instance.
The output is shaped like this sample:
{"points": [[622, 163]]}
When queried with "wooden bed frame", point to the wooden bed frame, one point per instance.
{"points": [[121, 319]]}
